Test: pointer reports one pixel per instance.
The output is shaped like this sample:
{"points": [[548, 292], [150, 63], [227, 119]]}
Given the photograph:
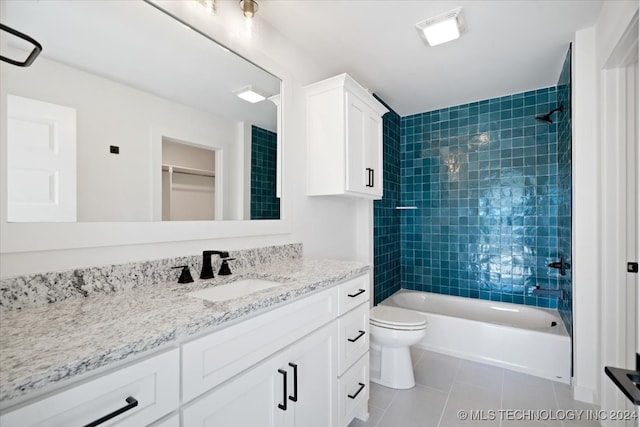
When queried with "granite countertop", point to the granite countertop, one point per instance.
{"points": [[42, 346]]}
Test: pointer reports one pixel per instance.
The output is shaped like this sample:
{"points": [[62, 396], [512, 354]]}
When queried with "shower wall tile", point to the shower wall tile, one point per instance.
{"points": [[564, 187], [264, 203], [484, 178], [386, 231]]}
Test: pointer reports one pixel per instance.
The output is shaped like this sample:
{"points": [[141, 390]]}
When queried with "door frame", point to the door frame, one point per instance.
{"points": [[619, 134]]}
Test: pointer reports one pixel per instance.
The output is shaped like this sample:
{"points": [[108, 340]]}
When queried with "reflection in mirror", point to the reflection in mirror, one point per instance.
{"points": [[188, 182], [130, 115]]}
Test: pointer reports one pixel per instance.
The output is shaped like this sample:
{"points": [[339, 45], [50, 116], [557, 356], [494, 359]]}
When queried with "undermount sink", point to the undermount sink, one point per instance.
{"points": [[233, 290]]}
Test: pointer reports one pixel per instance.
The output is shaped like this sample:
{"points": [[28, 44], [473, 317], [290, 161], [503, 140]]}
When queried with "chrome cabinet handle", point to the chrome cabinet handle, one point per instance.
{"points": [[131, 403], [356, 338], [283, 405], [353, 396]]}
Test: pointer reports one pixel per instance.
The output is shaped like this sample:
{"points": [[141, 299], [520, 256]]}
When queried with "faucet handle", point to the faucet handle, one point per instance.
{"points": [[185, 275], [224, 268]]}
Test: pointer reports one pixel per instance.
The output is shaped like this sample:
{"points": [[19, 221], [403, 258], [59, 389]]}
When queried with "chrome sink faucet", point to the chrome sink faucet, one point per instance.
{"points": [[207, 269]]}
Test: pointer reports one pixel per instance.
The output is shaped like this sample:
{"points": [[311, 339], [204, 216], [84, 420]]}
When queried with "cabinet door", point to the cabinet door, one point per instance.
{"points": [[312, 364], [364, 148], [373, 152], [249, 400]]}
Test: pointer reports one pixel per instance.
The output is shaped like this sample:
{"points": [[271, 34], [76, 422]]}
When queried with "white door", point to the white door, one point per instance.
{"points": [[41, 153]]}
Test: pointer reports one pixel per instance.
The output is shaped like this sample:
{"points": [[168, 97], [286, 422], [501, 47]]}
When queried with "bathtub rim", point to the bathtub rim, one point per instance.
{"points": [[554, 365], [558, 330]]}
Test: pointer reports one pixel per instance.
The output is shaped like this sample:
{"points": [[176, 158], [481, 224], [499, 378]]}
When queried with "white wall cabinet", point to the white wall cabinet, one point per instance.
{"points": [[344, 139]]}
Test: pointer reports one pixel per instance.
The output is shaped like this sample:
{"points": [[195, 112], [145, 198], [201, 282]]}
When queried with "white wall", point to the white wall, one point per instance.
{"points": [[592, 176], [121, 187], [337, 228]]}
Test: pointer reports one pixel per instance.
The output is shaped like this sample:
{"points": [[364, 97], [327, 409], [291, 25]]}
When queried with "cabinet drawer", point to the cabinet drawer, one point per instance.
{"points": [[210, 360], [353, 392], [154, 383], [353, 340], [353, 293]]}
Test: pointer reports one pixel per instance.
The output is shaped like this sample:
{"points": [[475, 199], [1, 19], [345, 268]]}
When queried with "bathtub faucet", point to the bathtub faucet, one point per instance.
{"points": [[561, 265], [538, 291]]}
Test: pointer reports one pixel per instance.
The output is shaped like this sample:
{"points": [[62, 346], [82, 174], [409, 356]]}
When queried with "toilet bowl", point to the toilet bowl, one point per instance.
{"points": [[392, 331]]}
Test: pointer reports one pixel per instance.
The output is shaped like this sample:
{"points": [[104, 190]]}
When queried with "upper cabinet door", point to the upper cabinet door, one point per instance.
{"points": [[344, 139], [364, 148]]}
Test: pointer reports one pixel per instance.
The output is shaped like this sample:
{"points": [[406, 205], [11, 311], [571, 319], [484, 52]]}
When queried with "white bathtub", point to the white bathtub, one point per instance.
{"points": [[511, 336]]}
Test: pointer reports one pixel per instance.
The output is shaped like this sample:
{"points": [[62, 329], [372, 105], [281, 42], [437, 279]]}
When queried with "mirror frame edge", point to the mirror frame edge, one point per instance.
{"points": [[32, 237]]}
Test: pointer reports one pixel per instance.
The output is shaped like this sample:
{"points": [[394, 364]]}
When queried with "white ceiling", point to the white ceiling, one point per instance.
{"points": [[135, 44], [508, 46]]}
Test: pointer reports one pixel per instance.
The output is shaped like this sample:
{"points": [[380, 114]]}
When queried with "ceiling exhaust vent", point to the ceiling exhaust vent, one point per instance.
{"points": [[442, 28]]}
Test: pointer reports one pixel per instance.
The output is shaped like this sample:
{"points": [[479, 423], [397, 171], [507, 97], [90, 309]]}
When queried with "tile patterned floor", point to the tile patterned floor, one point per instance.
{"points": [[495, 397]]}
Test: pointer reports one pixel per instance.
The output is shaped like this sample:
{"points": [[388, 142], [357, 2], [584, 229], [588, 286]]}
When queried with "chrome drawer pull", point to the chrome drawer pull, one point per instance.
{"points": [[131, 403], [360, 291], [353, 396], [356, 338]]}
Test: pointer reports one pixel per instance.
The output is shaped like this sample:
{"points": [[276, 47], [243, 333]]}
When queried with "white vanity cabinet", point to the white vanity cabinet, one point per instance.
{"points": [[295, 387], [139, 394], [304, 363], [344, 139], [353, 351]]}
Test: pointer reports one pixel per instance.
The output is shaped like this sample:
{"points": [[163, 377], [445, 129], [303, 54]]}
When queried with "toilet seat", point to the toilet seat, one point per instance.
{"points": [[396, 318]]}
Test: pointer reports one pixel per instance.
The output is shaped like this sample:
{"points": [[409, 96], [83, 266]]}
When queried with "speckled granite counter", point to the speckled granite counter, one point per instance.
{"points": [[45, 345]]}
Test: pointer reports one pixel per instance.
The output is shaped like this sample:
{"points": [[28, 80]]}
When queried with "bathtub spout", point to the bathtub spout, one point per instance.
{"points": [[558, 293]]}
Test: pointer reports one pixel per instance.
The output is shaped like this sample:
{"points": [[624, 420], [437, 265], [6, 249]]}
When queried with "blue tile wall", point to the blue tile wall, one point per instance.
{"points": [[484, 179], [386, 231], [264, 203], [564, 187]]}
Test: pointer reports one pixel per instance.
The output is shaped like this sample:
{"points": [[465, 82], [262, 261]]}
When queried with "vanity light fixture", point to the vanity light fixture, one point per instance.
{"points": [[249, 94], [442, 28], [209, 5], [249, 8]]}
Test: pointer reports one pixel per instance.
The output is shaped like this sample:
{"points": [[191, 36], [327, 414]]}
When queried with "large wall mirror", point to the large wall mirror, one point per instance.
{"points": [[130, 115]]}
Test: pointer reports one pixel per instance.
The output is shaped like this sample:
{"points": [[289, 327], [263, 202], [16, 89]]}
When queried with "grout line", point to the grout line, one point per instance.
{"points": [[502, 393], [446, 402]]}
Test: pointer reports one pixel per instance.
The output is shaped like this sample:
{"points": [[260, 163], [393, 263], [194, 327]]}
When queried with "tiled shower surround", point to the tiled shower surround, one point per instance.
{"points": [[484, 179], [264, 203]]}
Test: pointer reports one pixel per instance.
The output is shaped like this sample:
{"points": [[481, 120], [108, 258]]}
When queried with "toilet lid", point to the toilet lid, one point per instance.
{"points": [[385, 315]]}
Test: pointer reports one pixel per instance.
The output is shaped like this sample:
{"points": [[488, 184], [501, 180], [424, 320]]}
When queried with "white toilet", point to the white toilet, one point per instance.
{"points": [[392, 331]]}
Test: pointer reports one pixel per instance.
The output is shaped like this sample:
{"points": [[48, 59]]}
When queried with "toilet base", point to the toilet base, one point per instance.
{"points": [[392, 367]]}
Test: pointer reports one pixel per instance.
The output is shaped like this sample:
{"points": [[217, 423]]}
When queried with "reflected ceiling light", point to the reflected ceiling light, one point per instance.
{"points": [[442, 28], [249, 94], [249, 8], [209, 5]]}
